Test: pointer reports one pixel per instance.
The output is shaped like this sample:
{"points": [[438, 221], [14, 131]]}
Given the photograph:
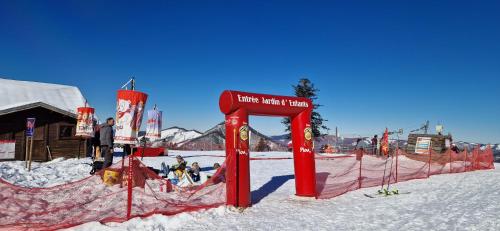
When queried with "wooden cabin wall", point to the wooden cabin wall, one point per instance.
{"points": [[47, 127], [438, 142]]}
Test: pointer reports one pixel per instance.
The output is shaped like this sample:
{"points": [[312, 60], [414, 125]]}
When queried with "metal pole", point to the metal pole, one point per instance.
{"points": [[449, 150], [360, 167], [430, 156], [397, 159], [143, 147], [79, 146], [383, 177], [27, 152], [31, 154], [129, 184]]}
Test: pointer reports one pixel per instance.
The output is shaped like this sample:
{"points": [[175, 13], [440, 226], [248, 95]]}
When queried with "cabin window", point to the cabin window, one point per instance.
{"points": [[66, 131]]}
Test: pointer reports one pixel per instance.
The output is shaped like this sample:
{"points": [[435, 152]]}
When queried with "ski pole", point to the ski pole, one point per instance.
{"points": [[383, 178], [390, 175]]}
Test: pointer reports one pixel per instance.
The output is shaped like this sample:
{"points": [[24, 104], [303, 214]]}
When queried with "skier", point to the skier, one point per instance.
{"points": [[107, 141]]}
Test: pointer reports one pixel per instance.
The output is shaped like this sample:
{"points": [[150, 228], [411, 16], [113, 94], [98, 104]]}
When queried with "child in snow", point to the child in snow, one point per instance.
{"points": [[179, 168], [216, 166], [194, 172]]}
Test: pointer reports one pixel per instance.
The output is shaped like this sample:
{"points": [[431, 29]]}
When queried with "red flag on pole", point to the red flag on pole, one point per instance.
{"points": [[385, 143]]}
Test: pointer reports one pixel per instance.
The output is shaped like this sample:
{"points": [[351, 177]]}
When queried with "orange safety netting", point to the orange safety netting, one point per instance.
{"points": [[90, 199], [144, 193], [338, 175]]}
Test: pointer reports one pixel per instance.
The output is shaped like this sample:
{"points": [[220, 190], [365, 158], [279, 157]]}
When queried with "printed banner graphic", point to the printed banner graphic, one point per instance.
{"points": [[153, 129], [30, 127], [85, 122], [129, 112]]}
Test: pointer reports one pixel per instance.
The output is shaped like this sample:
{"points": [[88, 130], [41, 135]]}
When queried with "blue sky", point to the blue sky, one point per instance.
{"points": [[377, 63]]}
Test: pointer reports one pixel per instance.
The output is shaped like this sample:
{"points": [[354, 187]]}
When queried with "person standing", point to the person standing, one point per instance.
{"points": [[107, 141], [374, 144]]}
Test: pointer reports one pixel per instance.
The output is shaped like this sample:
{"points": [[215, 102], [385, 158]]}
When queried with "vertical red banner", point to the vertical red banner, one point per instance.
{"points": [[85, 122], [154, 124], [129, 112]]}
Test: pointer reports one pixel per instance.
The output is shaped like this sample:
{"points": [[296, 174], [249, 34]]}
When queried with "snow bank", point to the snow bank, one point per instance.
{"points": [[56, 172]]}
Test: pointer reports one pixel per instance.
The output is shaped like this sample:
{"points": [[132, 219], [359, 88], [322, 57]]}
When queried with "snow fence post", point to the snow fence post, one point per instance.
{"points": [[430, 156], [129, 184], [397, 162], [449, 151], [359, 157], [465, 159]]}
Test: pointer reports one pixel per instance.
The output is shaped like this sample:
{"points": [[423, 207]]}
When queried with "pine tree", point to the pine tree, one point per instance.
{"points": [[262, 146], [305, 88]]}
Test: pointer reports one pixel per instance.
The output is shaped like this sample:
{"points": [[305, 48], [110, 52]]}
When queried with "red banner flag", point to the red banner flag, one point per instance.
{"points": [[385, 143], [85, 122], [130, 107]]}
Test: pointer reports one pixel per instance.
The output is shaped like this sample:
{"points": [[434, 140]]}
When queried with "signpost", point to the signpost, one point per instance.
{"points": [[130, 109], [30, 132]]}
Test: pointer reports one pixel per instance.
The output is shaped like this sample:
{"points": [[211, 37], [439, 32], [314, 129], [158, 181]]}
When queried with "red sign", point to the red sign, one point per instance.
{"points": [[261, 104]]}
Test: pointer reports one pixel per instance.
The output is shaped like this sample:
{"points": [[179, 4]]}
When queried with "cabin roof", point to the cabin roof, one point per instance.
{"points": [[22, 95]]}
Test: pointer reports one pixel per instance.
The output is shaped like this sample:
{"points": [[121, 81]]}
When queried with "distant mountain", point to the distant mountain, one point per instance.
{"points": [[214, 139], [177, 135]]}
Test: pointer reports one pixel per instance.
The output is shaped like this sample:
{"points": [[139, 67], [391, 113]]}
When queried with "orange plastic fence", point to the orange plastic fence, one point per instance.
{"points": [[141, 192], [90, 199], [336, 176]]}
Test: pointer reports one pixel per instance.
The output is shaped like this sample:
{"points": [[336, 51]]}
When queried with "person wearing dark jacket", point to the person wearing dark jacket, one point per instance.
{"points": [[194, 172], [374, 144], [107, 141]]}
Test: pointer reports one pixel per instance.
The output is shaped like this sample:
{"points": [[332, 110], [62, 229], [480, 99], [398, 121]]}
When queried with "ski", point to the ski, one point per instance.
{"points": [[385, 193]]}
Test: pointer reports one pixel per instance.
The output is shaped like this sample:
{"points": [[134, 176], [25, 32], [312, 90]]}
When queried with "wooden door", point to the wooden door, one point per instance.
{"points": [[39, 144]]}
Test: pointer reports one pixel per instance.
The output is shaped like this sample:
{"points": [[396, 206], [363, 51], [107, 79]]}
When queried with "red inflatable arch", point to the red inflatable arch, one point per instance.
{"points": [[237, 106]]}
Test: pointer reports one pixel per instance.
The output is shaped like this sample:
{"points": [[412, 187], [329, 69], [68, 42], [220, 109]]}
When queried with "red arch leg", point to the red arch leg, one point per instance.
{"points": [[303, 155], [237, 159]]}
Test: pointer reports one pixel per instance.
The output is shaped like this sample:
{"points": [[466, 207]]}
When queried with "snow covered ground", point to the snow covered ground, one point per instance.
{"points": [[56, 172], [465, 201]]}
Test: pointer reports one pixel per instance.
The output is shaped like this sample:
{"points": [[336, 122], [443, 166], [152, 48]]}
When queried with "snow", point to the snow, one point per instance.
{"points": [[464, 201], [55, 172], [170, 132], [180, 137], [18, 93]]}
